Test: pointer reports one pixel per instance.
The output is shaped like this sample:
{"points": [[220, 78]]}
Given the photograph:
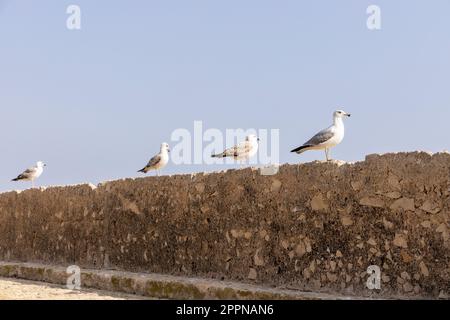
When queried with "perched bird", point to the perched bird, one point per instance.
{"points": [[32, 173], [328, 137], [242, 151], [159, 161]]}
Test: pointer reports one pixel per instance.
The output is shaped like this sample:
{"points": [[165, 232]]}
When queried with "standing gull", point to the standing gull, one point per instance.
{"points": [[242, 151], [159, 161], [31, 173], [328, 137]]}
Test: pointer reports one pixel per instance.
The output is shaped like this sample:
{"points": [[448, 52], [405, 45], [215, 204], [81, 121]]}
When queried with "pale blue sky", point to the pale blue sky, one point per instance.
{"points": [[95, 104]]}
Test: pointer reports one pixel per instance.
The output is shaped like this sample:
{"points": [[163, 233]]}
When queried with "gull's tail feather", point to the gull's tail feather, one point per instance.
{"points": [[143, 170], [220, 155], [300, 149]]}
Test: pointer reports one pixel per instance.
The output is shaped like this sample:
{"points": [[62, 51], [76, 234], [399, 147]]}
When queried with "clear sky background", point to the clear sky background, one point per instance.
{"points": [[95, 104]]}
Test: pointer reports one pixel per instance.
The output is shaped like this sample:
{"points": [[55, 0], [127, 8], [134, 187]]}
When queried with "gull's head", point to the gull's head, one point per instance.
{"points": [[40, 164], [341, 114], [165, 147], [252, 138]]}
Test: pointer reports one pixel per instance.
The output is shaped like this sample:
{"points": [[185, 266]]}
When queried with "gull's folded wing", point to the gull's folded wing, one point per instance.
{"points": [[27, 174], [322, 137], [154, 161]]}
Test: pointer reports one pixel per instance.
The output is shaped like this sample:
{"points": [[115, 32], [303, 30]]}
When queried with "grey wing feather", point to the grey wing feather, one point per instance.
{"points": [[154, 161], [321, 137], [26, 174], [29, 172]]}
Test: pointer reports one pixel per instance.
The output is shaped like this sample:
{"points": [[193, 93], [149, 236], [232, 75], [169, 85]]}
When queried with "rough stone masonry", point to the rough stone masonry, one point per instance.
{"points": [[313, 227]]}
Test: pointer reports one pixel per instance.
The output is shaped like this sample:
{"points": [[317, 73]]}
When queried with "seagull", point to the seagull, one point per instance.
{"points": [[328, 137], [242, 151], [159, 161], [31, 173]]}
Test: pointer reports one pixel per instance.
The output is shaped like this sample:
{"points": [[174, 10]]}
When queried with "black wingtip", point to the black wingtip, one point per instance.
{"points": [[220, 155], [299, 148]]}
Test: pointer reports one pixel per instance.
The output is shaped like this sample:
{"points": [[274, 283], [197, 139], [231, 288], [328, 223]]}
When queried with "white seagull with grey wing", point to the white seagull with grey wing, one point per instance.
{"points": [[242, 151], [327, 138], [32, 173], [159, 161]]}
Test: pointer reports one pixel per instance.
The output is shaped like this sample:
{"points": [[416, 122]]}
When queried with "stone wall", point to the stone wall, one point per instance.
{"points": [[314, 227]]}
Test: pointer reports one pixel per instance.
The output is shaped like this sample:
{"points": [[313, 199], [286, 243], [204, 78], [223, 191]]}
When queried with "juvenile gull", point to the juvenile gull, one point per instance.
{"points": [[328, 137], [31, 173], [242, 151], [159, 161]]}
